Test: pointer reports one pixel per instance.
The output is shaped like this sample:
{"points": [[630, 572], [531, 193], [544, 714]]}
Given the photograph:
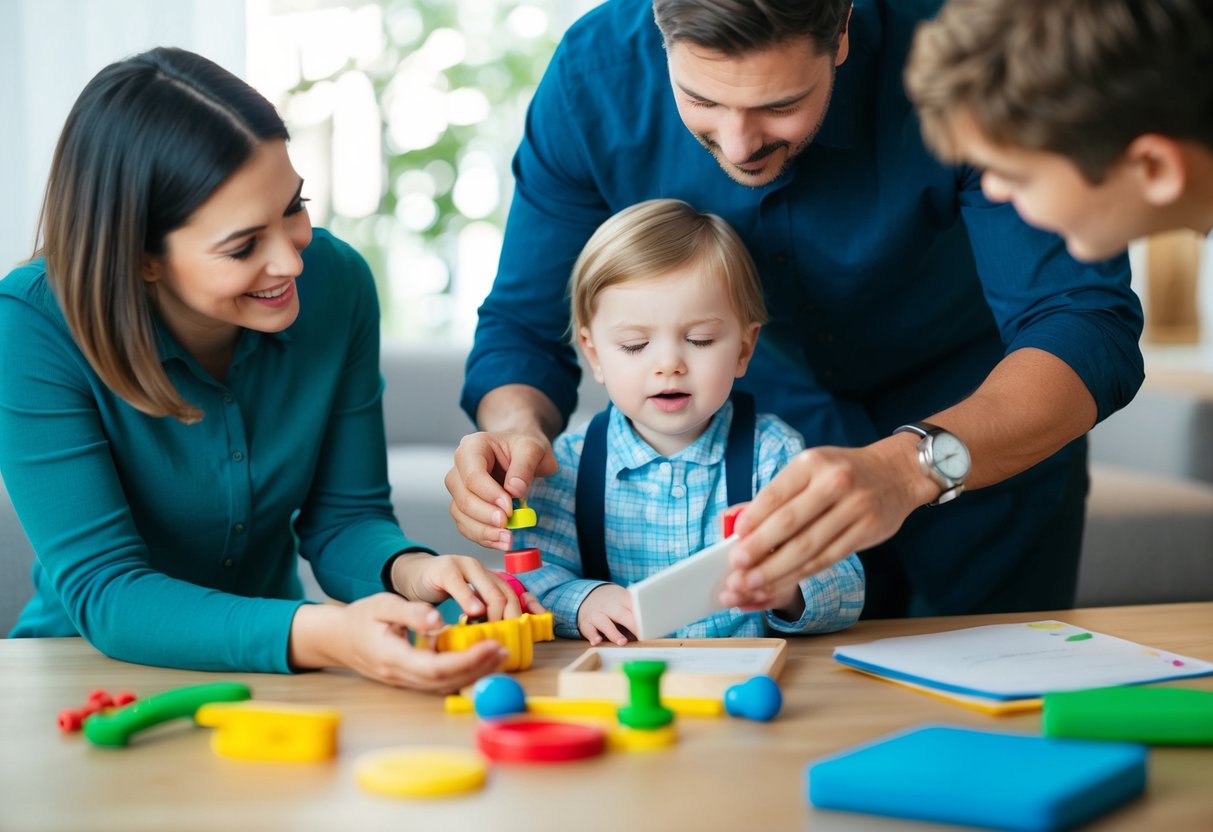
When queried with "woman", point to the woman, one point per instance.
{"points": [[190, 396]]}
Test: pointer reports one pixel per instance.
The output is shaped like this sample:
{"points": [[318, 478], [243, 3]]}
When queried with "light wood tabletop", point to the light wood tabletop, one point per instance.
{"points": [[726, 773]]}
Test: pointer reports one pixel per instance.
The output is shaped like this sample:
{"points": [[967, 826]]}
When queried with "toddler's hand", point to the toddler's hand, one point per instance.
{"points": [[604, 612]]}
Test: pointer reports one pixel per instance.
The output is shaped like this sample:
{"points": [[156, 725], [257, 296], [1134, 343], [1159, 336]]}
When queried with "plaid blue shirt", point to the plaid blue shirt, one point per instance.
{"points": [[660, 510]]}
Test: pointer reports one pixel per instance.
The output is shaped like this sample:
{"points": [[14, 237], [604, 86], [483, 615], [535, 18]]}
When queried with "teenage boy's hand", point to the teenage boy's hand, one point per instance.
{"points": [[603, 612], [423, 577]]}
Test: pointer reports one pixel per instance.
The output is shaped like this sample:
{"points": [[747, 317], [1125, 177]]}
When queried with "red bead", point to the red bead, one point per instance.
{"points": [[522, 560], [123, 698], [70, 720], [99, 699]]}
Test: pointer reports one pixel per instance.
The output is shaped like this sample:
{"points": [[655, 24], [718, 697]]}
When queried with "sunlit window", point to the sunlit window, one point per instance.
{"points": [[404, 115]]}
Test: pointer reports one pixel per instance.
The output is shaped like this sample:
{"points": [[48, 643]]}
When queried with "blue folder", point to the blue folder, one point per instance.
{"points": [[980, 778]]}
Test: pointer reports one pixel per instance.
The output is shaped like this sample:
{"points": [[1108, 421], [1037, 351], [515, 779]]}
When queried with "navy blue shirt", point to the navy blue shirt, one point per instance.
{"points": [[894, 285]]}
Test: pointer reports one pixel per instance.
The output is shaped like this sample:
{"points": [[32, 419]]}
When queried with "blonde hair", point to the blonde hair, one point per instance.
{"points": [[1081, 78], [652, 238]]}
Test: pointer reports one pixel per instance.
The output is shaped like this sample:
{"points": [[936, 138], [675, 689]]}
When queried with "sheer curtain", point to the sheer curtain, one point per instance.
{"points": [[49, 49]]}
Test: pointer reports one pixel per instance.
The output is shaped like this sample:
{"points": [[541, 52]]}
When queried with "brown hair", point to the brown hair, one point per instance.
{"points": [[735, 27], [1081, 78], [652, 238], [148, 141]]}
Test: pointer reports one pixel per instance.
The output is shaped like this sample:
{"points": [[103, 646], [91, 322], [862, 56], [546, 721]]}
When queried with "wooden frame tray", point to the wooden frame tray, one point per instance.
{"points": [[700, 667]]}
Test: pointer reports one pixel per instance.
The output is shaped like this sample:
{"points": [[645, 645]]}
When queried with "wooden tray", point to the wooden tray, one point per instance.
{"points": [[700, 667]]}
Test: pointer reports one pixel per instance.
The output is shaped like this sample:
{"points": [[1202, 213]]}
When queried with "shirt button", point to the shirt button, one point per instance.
{"points": [[781, 259], [228, 398], [678, 491], [239, 527], [236, 455], [229, 563], [664, 467]]}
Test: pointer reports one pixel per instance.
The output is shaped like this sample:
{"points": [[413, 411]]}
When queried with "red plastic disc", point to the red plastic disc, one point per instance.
{"points": [[523, 560], [538, 741]]}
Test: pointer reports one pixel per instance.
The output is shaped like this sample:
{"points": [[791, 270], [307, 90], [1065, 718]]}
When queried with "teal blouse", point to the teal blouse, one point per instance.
{"points": [[175, 545]]}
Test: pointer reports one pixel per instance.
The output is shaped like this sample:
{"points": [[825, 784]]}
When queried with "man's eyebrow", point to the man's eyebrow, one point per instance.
{"points": [[253, 229], [769, 105]]}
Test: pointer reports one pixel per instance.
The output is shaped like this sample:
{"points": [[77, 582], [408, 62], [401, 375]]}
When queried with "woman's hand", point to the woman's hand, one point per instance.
{"points": [[603, 612], [479, 592], [370, 636]]}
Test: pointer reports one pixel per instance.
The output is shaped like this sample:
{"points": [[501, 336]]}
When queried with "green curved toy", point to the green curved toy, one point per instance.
{"points": [[115, 728]]}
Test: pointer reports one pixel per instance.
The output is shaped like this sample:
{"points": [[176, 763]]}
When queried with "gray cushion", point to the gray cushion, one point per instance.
{"points": [[1167, 429], [1149, 539]]}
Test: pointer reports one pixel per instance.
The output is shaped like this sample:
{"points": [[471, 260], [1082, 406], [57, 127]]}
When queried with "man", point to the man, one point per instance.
{"points": [[1094, 118], [898, 292]]}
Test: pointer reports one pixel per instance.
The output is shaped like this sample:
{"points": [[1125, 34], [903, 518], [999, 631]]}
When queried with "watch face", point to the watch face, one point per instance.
{"points": [[950, 456]]}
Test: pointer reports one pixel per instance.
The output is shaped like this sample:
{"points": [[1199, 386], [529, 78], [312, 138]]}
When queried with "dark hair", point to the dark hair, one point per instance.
{"points": [[147, 142], [1081, 78], [735, 27]]}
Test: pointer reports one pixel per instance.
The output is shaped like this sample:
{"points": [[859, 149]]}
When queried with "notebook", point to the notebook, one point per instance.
{"points": [[1018, 661], [980, 778]]}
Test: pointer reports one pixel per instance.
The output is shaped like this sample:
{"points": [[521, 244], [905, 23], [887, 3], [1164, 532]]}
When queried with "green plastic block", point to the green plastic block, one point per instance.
{"points": [[1151, 715]]}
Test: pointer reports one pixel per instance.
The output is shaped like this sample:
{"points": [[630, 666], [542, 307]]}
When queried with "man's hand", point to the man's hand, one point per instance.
{"points": [[491, 469], [370, 636], [827, 503], [479, 592], [603, 612]]}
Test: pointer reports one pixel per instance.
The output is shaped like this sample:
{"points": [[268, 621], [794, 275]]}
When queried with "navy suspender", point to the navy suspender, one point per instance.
{"points": [[591, 480]]}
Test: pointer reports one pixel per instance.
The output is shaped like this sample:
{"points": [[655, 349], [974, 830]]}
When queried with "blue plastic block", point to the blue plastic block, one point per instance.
{"points": [[980, 778]]}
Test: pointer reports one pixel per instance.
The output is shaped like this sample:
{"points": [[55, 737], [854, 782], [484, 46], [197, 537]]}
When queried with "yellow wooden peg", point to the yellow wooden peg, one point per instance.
{"points": [[276, 731]]}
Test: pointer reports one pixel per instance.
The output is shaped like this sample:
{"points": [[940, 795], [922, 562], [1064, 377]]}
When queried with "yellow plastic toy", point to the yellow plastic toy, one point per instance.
{"points": [[517, 635], [273, 731], [522, 517], [633, 739], [420, 771]]}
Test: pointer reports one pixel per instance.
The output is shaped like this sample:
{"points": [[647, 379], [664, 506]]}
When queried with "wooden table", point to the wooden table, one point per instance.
{"points": [[726, 774]]}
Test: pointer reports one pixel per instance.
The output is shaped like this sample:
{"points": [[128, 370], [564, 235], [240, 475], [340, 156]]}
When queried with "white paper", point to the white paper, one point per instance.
{"points": [[682, 593], [1019, 660], [747, 661]]}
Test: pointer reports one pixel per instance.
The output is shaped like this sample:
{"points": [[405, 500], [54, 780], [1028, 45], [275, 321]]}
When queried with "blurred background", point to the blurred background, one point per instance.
{"points": [[404, 116]]}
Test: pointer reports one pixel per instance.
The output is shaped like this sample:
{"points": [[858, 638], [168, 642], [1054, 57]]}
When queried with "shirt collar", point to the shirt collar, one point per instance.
{"points": [[626, 450], [168, 348]]}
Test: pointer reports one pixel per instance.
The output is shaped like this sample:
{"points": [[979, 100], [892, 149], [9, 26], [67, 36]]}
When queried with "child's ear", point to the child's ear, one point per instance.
{"points": [[749, 340], [1159, 164], [152, 268], [591, 353]]}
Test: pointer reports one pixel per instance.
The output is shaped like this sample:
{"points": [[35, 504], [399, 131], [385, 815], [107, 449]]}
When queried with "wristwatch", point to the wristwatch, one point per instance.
{"points": [[943, 457]]}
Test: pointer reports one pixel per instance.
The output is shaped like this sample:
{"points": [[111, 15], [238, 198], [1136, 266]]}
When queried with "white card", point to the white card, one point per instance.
{"points": [[684, 592]]}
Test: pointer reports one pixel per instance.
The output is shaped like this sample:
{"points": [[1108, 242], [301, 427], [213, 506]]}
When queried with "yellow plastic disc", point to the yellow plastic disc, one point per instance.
{"points": [[421, 771], [631, 739]]}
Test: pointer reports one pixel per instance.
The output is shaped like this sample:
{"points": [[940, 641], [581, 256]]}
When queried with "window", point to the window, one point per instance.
{"points": [[404, 115]]}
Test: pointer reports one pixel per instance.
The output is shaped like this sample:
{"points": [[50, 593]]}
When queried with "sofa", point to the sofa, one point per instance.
{"points": [[1150, 512]]}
